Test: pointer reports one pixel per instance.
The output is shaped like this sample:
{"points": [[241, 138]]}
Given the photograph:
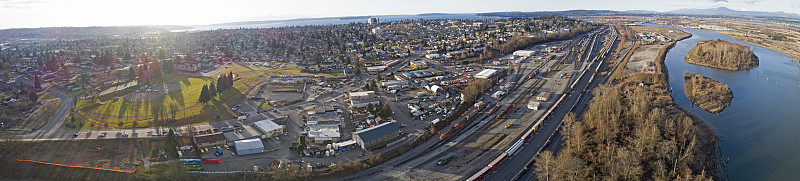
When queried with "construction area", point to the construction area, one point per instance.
{"points": [[119, 154]]}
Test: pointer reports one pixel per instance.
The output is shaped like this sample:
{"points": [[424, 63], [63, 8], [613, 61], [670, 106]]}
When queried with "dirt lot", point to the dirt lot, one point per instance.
{"points": [[119, 154], [39, 117], [643, 59]]}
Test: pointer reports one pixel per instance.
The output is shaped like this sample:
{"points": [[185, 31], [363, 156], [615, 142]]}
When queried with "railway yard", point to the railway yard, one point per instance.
{"points": [[497, 132]]}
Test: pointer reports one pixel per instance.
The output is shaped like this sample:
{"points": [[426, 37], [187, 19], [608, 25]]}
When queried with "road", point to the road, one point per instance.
{"points": [[405, 166], [53, 127]]}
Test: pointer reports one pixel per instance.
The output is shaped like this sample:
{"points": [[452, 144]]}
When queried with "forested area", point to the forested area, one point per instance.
{"points": [[708, 94], [632, 131], [520, 42], [722, 54]]}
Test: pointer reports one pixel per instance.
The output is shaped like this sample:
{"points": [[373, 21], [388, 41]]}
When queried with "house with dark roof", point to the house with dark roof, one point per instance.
{"points": [[210, 140], [377, 136]]}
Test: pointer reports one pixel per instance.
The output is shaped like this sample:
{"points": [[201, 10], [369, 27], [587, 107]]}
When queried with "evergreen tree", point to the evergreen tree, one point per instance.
{"points": [[204, 96], [32, 95], [373, 86], [131, 74], [221, 85], [212, 90], [37, 84], [230, 79], [370, 108], [386, 110]]}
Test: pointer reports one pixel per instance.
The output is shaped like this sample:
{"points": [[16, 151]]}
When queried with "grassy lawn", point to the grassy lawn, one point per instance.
{"points": [[184, 101], [47, 95], [113, 109]]}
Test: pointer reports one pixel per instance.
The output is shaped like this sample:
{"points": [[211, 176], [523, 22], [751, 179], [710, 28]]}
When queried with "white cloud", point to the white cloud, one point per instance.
{"points": [[18, 4]]}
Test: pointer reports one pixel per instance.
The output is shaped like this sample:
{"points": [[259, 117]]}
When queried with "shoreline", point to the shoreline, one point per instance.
{"points": [[706, 128], [736, 37]]}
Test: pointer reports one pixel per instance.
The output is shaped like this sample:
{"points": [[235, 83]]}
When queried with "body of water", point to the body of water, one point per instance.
{"points": [[329, 21], [760, 128]]}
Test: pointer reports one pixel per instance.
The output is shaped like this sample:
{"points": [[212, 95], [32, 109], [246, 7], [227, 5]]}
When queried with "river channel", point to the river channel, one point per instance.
{"points": [[761, 128]]}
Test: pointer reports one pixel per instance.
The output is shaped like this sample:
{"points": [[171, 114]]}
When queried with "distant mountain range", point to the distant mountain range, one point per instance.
{"points": [[720, 11], [730, 12], [85, 32]]}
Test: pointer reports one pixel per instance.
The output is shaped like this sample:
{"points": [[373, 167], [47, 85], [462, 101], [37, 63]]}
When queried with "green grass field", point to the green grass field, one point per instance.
{"points": [[113, 109], [47, 95], [184, 103]]}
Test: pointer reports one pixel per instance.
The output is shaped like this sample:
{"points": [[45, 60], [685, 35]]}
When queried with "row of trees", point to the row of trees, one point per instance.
{"points": [[520, 42], [382, 109], [208, 93], [474, 90], [630, 132], [224, 82]]}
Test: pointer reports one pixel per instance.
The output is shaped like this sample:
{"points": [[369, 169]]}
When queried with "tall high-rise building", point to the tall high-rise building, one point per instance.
{"points": [[373, 20]]}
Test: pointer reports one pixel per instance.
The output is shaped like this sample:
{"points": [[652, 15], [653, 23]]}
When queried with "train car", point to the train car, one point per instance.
{"points": [[493, 109]]}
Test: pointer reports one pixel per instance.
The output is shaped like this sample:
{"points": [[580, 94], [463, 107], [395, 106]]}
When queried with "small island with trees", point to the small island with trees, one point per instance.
{"points": [[708, 94], [722, 54]]}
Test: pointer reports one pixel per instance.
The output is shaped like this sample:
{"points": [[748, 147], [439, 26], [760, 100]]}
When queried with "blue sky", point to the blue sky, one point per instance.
{"points": [[48, 13]]}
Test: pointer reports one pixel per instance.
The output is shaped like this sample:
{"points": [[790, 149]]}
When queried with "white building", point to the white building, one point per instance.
{"points": [[362, 99], [534, 105], [246, 147], [432, 56], [269, 128], [486, 74], [322, 133], [376, 69], [373, 20], [524, 53], [377, 30]]}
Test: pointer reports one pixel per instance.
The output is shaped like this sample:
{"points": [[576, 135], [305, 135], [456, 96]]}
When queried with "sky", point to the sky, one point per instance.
{"points": [[77, 13]]}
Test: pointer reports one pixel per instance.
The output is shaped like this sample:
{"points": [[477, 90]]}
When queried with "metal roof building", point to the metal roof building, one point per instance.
{"points": [[377, 136], [269, 128], [486, 74], [246, 147]]}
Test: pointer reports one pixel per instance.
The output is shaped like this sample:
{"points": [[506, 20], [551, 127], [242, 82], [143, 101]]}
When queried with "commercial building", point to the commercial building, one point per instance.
{"points": [[269, 128], [325, 118], [362, 99], [322, 133], [394, 84], [376, 69], [377, 136], [486, 74], [417, 74], [209, 140], [250, 146], [418, 64], [524, 53], [432, 56], [247, 132], [362, 95]]}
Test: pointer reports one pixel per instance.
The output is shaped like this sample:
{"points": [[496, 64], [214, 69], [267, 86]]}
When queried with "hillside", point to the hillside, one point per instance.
{"points": [[708, 94], [722, 54]]}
